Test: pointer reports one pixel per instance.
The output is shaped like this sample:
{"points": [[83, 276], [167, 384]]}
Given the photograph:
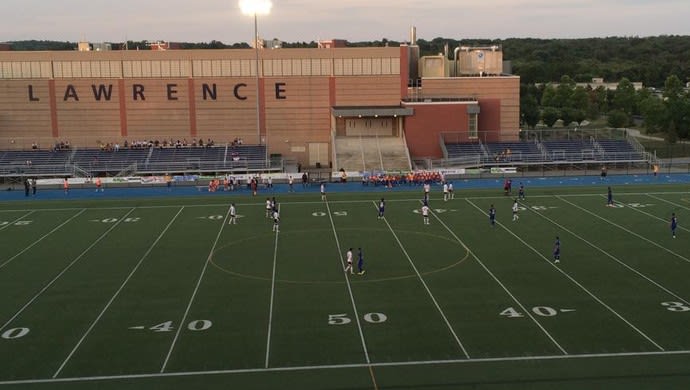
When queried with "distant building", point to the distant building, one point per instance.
{"points": [[162, 46], [5, 46], [83, 46], [100, 46], [599, 82], [332, 43]]}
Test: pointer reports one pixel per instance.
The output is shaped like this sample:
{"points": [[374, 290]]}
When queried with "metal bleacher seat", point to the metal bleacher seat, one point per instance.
{"points": [[619, 149], [570, 150]]}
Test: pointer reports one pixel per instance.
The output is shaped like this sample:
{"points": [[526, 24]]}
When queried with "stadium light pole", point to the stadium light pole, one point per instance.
{"points": [[255, 8]]}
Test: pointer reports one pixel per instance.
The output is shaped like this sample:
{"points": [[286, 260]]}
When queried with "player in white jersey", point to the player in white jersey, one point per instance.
{"points": [[233, 215], [451, 192], [427, 189], [323, 191], [515, 210], [269, 208], [425, 214], [276, 221], [445, 192], [348, 258]]}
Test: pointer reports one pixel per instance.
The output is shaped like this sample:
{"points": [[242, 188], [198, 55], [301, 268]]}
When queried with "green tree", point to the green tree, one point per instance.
{"points": [[550, 115], [548, 97], [618, 118], [624, 97], [530, 111], [655, 114], [579, 99], [677, 106]]}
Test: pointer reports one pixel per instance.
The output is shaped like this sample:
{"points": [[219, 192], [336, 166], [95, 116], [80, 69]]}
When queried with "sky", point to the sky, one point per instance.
{"points": [[353, 20]]}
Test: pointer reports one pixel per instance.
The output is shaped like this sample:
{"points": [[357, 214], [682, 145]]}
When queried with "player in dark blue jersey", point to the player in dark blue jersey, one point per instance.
{"points": [[382, 208], [492, 216], [674, 224], [557, 250], [609, 198], [360, 262], [521, 192]]}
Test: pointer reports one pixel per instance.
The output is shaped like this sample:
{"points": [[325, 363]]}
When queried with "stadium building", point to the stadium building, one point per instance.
{"points": [[352, 108]]}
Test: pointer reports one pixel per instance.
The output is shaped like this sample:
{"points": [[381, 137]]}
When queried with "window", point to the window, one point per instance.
{"points": [[472, 126]]}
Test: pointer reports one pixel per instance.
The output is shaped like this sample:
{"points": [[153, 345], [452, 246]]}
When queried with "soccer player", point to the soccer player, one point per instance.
{"points": [[445, 192], [360, 262], [233, 215], [269, 208], [276, 221], [492, 216], [521, 192], [99, 185], [382, 207], [427, 189], [674, 224], [609, 198], [348, 257], [450, 190], [323, 191], [557, 250], [65, 186], [516, 207], [425, 213], [290, 184]]}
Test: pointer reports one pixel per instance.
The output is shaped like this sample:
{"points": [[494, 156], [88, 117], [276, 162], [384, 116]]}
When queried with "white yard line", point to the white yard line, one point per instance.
{"points": [[464, 362], [426, 287], [117, 293], [42, 238], [612, 257], [273, 285], [665, 221], [18, 219], [498, 281], [196, 289], [669, 202], [609, 308], [47, 286], [625, 229], [349, 287]]}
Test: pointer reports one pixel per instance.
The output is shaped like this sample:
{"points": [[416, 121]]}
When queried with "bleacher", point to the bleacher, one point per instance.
{"points": [[571, 150], [547, 151], [465, 150], [216, 158], [618, 149], [99, 160], [514, 151], [34, 157], [34, 162]]}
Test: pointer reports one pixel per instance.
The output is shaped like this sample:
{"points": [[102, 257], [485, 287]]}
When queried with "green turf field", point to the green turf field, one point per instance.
{"points": [[164, 293]]}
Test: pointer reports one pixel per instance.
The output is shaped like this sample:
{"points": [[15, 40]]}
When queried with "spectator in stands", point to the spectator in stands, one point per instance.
{"points": [[34, 146]]}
